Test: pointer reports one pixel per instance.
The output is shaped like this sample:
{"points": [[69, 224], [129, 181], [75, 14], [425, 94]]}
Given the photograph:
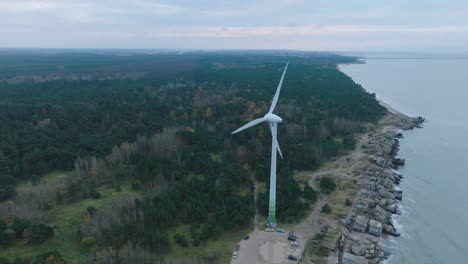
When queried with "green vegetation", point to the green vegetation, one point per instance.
{"points": [[320, 245], [52, 257], [315, 253], [7, 186], [67, 218], [326, 209], [349, 142], [293, 203], [348, 189], [310, 194], [327, 185], [153, 168], [39, 233], [181, 240]]}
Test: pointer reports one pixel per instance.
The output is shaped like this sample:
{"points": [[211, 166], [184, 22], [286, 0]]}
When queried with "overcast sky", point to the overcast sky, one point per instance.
{"points": [[331, 25]]}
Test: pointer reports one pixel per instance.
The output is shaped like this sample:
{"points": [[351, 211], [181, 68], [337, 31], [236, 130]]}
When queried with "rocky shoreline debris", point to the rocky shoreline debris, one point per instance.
{"points": [[371, 217]]}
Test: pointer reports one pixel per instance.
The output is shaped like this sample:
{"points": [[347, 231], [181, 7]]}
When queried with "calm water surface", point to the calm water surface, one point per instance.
{"points": [[434, 224]]}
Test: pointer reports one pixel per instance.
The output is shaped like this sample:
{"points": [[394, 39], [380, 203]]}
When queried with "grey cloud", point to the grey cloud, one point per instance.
{"points": [[302, 24]]}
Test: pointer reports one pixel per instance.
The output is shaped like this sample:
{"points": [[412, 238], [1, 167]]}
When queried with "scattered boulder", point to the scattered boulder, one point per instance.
{"points": [[389, 229], [398, 161]]}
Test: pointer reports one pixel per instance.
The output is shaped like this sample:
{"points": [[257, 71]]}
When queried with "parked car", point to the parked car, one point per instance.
{"points": [[236, 248], [294, 244], [292, 234], [324, 229], [269, 229], [291, 238], [280, 230], [291, 257], [246, 237], [234, 256]]}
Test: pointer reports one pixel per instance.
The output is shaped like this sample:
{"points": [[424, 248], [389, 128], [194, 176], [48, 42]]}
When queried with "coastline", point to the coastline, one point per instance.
{"points": [[361, 225], [432, 223], [366, 231], [368, 177]]}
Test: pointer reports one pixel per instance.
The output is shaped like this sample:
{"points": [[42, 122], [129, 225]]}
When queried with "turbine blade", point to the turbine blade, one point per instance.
{"points": [[250, 124], [275, 98], [275, 139], [279, 149]]}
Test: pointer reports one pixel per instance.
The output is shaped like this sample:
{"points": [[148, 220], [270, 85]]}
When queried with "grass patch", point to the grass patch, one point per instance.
{"points": [[327, 184], [318, 248], [49, 178], [302, 176], [244, 191], [220, 249], [315, 253], [261, 187], [330, 239], [360, 166], [345, 189], [67, 218]]}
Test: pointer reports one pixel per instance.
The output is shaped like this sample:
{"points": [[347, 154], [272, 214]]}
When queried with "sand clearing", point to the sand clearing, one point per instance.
{"points": [[274, 251]]}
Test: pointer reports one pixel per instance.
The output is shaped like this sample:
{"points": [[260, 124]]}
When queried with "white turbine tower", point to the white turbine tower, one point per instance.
{"points": [[272, 121]]}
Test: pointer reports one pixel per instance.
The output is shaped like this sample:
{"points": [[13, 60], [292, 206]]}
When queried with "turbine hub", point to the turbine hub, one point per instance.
{"points": [[272, 118]]}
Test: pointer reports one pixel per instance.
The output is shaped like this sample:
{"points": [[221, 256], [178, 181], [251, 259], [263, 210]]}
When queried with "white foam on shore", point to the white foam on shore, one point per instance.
{"points": [[399, 227], [392, 241]]}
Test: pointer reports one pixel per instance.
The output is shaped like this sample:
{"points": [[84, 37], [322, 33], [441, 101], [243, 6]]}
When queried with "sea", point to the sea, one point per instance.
{"points": [[434, 222]]}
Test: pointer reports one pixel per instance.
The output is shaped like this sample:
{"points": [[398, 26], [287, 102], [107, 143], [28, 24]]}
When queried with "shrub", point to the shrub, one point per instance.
{"points": [[91, 210], [51, 257], [10, 234], [326, 209], [88, 241], [6, 235], [349, 142], [73, 190], [94, 194], [310, 193], [18, 261], [136, 186], [4, 261], [7, 187], [5, 240], [35, 180], [348, 202], [327, 185], [39, 233], [19, 225], [181, 240]]}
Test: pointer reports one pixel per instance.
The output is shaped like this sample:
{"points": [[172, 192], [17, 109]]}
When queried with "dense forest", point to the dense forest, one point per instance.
{"points": [[161, 124]]}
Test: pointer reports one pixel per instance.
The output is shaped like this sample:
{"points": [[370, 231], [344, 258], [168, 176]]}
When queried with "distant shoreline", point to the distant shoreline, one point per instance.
{"points": [[379, 189]]}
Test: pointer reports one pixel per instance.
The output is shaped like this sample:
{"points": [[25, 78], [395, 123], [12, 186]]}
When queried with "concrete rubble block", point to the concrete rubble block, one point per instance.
{"points": [[353, 259], [381, 215], [375, 227], [360, 223]]}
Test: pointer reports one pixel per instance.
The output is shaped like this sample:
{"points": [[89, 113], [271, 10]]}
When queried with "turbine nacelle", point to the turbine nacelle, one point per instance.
{"points": [[272, 118]]}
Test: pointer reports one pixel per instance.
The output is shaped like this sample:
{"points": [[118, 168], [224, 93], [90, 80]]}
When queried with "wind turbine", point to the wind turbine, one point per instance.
{"points": [[272, 121]]}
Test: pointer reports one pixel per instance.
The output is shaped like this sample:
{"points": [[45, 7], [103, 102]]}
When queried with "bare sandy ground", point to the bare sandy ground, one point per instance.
{"points": [[267, 247], [272, 247]]}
